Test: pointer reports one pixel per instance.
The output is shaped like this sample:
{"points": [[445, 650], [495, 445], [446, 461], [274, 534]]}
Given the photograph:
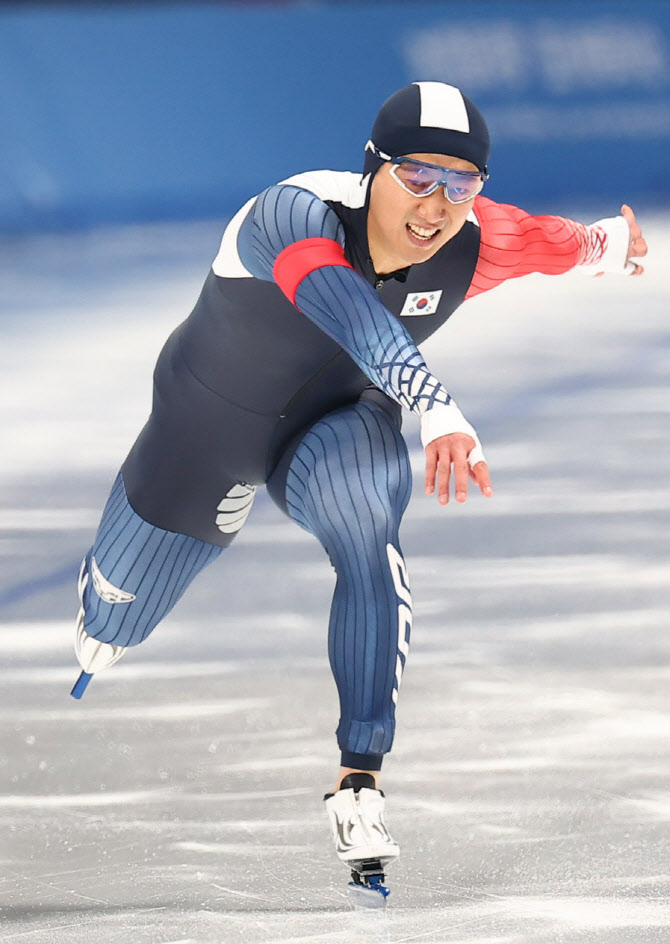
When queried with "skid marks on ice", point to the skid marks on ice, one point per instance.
{"points": [[237, 848], [120, 713], [649, 805], [593, 912]]}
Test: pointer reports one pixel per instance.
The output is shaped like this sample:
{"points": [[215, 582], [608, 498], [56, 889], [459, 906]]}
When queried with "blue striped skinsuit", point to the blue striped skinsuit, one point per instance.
{"points": [[305, 398]]}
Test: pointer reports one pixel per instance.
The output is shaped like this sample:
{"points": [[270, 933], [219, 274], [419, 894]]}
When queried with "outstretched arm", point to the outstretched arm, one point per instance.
{"points": [[293, 238], [514, 243]]}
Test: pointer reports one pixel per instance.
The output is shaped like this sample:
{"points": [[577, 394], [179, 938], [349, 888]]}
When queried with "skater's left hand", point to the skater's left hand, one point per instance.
{"points": [[450, 450], [637, 247]]}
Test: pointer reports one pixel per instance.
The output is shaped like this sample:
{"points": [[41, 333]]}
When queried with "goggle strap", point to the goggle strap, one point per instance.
{"points": [[371, 146]]}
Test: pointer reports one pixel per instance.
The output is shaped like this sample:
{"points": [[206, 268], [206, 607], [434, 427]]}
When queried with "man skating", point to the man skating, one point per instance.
{"points": [[292, 371]]}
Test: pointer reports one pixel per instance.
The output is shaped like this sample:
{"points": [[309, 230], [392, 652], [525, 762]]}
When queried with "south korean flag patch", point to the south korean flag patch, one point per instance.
{"points": [[421, 303]]}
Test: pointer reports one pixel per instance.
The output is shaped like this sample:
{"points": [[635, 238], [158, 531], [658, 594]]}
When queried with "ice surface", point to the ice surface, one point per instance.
{"points": [[180, 801]]}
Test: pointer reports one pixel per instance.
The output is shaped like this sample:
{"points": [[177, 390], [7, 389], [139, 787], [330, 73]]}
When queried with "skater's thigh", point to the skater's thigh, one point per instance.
{"points": [[187, 491], [196, 463], [359, 442]]}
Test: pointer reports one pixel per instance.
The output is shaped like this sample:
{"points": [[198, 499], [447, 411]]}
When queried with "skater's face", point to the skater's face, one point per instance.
{"points": [[406, 229]]}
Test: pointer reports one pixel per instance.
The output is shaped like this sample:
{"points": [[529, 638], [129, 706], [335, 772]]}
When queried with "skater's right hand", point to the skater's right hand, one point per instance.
{"points": [[449, 450]]}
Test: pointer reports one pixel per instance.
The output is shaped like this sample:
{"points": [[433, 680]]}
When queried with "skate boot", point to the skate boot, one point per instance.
{"points": [[92, 654], [362, 841]]}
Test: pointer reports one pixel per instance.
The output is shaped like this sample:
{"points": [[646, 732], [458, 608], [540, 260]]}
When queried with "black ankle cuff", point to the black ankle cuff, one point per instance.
{"points": [[357, 782], [362, 761]]}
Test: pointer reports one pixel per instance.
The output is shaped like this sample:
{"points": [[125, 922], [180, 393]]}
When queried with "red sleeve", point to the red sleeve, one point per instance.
{"points": [[514, 243]]}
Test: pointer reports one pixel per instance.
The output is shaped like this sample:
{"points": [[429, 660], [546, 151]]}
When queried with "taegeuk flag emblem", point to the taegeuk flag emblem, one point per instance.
{"points": [[421, 303]]}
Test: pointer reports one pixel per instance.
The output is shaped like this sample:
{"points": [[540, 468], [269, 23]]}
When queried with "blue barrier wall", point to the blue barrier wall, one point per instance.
{"points": [[181, 110]]}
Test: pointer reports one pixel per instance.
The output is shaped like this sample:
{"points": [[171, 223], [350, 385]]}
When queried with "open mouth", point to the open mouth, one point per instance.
{"points": [[421, 235]]}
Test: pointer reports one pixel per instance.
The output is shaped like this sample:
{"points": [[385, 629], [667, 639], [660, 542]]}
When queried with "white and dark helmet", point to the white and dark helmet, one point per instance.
{"points": [[428, 118]]}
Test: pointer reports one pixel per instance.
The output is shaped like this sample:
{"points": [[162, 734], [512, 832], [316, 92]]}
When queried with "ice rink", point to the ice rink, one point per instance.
{"points": [[180, 801]]}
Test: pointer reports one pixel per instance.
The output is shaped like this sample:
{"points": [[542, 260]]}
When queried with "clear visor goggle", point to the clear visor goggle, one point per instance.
{"points": [[421, 179]]}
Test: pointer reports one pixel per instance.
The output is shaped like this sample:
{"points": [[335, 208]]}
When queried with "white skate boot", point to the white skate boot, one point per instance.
{"points": [[92, 654], [362, 841]]}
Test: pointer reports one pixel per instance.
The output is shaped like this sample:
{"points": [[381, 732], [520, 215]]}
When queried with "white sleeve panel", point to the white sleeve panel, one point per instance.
{"points": [[343, 187]]}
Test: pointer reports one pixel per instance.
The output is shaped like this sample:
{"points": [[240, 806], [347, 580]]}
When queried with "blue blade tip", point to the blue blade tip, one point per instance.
{"points": [[80, 684]]}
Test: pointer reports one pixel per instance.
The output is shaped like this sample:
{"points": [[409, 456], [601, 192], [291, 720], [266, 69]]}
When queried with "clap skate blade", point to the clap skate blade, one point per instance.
{"points": [[81, 683], [367, 882]]}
